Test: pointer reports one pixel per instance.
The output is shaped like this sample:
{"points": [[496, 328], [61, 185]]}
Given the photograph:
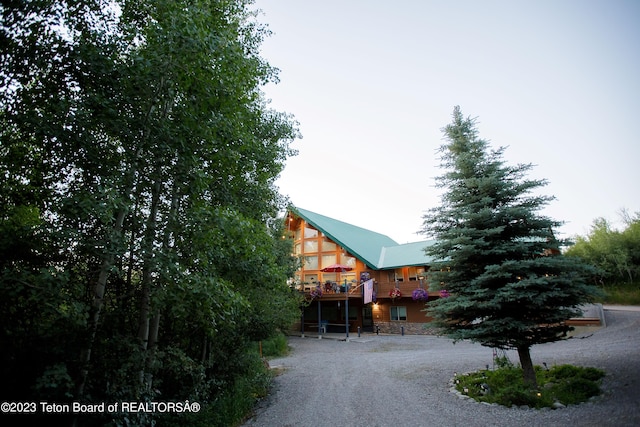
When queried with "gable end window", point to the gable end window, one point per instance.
{"points": [[399, 313]]}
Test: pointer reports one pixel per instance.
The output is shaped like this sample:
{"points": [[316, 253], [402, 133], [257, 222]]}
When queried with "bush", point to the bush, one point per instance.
{"points": [[233, 405], [275, 346], [564, 372], [505, 386], [571, 384], [517, 395], [575, 390]]}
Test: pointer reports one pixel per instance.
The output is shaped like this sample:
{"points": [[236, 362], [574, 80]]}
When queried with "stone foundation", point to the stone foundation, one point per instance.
{"points": [[409, 328]]}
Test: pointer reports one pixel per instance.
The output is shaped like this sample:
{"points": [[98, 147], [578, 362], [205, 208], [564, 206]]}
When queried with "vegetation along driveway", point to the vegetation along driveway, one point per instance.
{"points": [[404, 380]]}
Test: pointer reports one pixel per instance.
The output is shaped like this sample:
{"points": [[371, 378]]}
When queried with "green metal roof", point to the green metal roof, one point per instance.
{"points": [[409, 254], [376, 250]]}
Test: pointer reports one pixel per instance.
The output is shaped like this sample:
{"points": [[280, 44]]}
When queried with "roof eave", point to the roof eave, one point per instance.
{"points": [[367, 262]]}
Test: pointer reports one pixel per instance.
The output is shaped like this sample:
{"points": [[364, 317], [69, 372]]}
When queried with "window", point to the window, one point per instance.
{"points": [[416, 273], [310, 246], [331, 277], [310, 232], [398, 313], [349, 277], [328, 260], [311, 278], [311, 263], [396, 275], [328, 245], [348, 260]]}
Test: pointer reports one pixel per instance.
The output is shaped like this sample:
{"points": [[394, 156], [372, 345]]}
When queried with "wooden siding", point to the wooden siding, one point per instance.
{"points": [[382, 311]]}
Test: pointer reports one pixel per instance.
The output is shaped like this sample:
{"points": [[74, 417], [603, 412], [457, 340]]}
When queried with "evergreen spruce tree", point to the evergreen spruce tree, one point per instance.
{"points": [[509, 285]]}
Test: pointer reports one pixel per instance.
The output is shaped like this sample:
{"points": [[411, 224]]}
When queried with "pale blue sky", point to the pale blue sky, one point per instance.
{"points": [[372, 83]]}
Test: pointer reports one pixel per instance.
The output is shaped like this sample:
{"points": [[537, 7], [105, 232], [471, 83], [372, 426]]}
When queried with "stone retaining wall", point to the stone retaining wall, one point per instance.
{"points": [[409, 328]]}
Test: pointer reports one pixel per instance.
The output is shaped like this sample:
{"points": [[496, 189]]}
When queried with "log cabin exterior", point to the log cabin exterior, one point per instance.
{"points": [[321, 241]]}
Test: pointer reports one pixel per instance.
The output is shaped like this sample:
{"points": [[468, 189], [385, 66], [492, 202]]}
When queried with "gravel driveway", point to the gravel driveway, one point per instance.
{"points": [[404, 380]]}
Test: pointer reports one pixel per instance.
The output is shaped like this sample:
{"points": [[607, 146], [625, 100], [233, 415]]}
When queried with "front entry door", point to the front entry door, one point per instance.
{"points": [[367, 319]]}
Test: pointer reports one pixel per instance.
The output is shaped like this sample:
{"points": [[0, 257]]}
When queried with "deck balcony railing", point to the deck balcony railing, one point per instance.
{"points": [[406, 288], [333, 289], [337, 290]]}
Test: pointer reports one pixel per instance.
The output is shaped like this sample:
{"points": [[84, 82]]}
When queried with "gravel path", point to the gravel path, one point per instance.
{"points": [[404, 380]]}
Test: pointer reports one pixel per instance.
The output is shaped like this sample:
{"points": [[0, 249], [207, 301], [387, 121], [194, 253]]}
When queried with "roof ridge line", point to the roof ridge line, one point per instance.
{"points": [[383, 251], [368, 230]]}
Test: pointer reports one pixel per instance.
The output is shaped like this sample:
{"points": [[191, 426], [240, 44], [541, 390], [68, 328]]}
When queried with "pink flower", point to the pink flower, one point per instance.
{"points": [[395, 293]]}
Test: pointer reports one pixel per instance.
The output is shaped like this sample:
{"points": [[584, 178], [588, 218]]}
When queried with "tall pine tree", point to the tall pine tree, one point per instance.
{"points": [[509, 286]]}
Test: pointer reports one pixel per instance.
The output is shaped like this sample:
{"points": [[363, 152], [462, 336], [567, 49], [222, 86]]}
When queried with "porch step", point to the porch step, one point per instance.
{"points": [[584, 321]]}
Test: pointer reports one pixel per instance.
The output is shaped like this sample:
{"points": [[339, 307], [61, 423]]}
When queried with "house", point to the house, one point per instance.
{"points": [[396, 271]]}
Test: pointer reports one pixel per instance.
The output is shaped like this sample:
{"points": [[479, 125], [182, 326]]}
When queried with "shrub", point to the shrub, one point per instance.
{"points": [[565, 384], [575, 390], [231, 406], [275, 346], [568, 372]]}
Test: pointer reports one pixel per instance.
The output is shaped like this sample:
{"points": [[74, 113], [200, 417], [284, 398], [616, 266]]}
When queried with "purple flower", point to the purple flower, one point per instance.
{"points": [[420, 294], [316, 293]]}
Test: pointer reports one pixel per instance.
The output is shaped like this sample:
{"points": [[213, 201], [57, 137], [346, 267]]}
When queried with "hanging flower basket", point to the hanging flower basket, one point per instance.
{"points": [[420, 295], [395, 293], [444, 293], [316, 293]]}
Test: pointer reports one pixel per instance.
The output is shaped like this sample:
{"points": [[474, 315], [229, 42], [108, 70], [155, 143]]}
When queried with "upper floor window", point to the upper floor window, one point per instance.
{"points": [[310, 232], [328, 259], [348, 261], [350, 278], [396, 275], [328, 245], [329, 277], [310, 246], [311, 262], [311, 279], [417, 273]]}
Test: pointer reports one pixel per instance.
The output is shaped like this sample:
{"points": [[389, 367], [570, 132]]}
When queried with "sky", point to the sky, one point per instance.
{"points": [[372, 83]]}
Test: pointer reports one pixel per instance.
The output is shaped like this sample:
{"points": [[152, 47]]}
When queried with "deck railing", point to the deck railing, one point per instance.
{"points": [[406, 288], [382, 288]]}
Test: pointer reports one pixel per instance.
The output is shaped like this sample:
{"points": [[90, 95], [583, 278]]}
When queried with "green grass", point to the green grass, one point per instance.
{"points": [[565, 384], [276, 346], [623, 294]]}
